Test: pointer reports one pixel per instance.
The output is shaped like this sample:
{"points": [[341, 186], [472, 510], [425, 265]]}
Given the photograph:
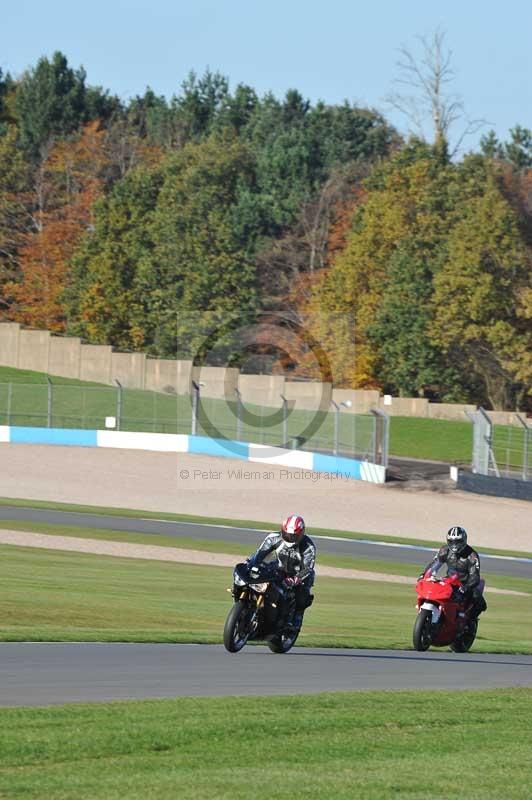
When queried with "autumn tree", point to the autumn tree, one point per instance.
{"points": [[406, 204], [66, 186], [113, 294], [482, 310], [14, 215]]}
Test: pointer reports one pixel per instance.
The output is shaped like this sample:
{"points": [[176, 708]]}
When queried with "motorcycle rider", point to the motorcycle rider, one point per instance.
{"points": [[464, 562], [296, 556]]}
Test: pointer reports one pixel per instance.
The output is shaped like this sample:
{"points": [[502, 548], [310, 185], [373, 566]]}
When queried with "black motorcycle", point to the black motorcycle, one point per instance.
{"points": [[263, 609]]}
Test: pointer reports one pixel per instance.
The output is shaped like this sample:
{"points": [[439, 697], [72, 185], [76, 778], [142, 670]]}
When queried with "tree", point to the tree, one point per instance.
{"points": [[68, 183], [113, 295], [518, 151], [51, 101], [14, 214], [203, 255], [408, 361], [426, 78], [407, 204], [481, 307]]}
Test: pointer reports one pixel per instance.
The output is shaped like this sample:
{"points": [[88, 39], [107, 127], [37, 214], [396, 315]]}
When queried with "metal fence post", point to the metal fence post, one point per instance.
{"points": [[195, 404], [118, 404], [238, 414], [381, 436], [285, 420], [526, 433], [50, 403], [9, 397], [337, 409], [335, 436]]}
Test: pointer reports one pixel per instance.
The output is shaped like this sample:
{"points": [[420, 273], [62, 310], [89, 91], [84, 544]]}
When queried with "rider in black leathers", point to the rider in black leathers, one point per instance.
{"points": [[462, 561], [295, 554]]}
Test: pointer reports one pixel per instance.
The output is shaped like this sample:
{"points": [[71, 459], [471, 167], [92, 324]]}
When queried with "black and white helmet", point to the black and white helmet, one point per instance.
{"points": [[456, 539]]}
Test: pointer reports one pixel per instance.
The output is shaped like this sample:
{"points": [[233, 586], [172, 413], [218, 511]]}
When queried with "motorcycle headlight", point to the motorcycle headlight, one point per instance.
{"points": [[260, 588], [238, 580]]}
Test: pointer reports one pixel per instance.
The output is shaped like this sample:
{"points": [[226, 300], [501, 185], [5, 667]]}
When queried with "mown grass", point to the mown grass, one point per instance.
{"points": [[63, 596], [234, 523], [433, 439], [241, 550], [365, 745]]}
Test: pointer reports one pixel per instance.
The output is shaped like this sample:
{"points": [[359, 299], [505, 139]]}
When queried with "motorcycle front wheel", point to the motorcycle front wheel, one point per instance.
{"points": [[464, 642], [236, 629], [422, 637], [283, 642]]}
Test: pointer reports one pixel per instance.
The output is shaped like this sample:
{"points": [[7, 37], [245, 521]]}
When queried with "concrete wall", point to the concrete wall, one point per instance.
{"points": [[262, 390], [406, 407], [219, 382], [128, 369], [184, 377], [65, 357], [95, 363], [308, 394], [34, 350], [167, 375], [451, 411], [362, 400], [9, 336]]}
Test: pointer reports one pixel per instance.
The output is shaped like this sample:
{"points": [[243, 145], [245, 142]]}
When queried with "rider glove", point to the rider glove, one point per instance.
{"points": [[291, 582]]}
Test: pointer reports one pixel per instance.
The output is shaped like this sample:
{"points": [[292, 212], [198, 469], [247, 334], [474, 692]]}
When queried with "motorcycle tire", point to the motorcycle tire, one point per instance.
{"points": [[234, 637], [282, 643], [464, 642], [422, 637]]}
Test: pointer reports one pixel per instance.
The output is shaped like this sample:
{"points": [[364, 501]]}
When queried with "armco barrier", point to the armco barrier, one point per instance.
{"points": [[496, 487], [180, 443]]}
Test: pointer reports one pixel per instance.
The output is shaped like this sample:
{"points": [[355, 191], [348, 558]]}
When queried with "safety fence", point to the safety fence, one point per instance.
{"points": [[501, 451], [338, 431]]}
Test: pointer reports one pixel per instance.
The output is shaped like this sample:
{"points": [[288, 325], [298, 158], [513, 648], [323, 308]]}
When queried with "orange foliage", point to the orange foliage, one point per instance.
{"points": [[68, 183], [343, 214]]}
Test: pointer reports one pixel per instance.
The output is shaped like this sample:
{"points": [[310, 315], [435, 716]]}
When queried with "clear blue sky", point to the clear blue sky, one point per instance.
{"points": [[333, 49]]}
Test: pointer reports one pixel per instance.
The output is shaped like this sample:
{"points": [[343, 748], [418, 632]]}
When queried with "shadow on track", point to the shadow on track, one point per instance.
{"points": [[414, 657]]}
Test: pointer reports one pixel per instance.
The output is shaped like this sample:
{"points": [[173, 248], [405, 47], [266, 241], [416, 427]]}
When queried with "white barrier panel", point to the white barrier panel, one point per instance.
{"points": [[277, 455], [163, 442], [375, 473], [4, 433]]}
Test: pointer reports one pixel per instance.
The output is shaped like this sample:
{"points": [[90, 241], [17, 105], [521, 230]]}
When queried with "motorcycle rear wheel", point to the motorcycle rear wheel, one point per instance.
{"points": [[282, 643], [422, 636], [464, 642], [236, 632]]}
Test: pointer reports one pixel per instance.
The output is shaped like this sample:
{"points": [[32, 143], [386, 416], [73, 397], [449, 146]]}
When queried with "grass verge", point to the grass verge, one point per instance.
{"points": [[367, 745], [233, 523], [242, 550], [63, 596]]}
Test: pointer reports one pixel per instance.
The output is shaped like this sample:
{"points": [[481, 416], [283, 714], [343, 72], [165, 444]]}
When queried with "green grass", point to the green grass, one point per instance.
{"points": [[218, 545], [364, 745], [434, 439], [234, 523], [84, 404], [25, 376], [63, 596]]}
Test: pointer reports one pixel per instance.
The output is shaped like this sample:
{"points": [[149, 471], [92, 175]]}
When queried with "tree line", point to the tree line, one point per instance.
{"points": [[146, 224]]}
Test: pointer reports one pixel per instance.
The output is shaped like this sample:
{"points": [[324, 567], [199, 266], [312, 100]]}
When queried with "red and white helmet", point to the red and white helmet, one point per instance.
{"points": [[293, 529]]}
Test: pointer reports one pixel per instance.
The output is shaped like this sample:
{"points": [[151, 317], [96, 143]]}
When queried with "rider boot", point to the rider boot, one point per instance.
{"points": [[479, 605]]}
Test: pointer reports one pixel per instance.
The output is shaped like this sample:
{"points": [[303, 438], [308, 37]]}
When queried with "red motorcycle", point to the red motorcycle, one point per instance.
{"points": [[443, 618]]}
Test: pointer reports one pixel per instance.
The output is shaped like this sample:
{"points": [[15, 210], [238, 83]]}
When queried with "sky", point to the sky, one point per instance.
{"points": [[330, 50]]}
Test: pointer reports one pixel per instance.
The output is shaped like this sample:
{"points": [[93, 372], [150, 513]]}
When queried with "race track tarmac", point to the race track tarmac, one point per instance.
{"points": [[415, 555], [36, 674]]}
